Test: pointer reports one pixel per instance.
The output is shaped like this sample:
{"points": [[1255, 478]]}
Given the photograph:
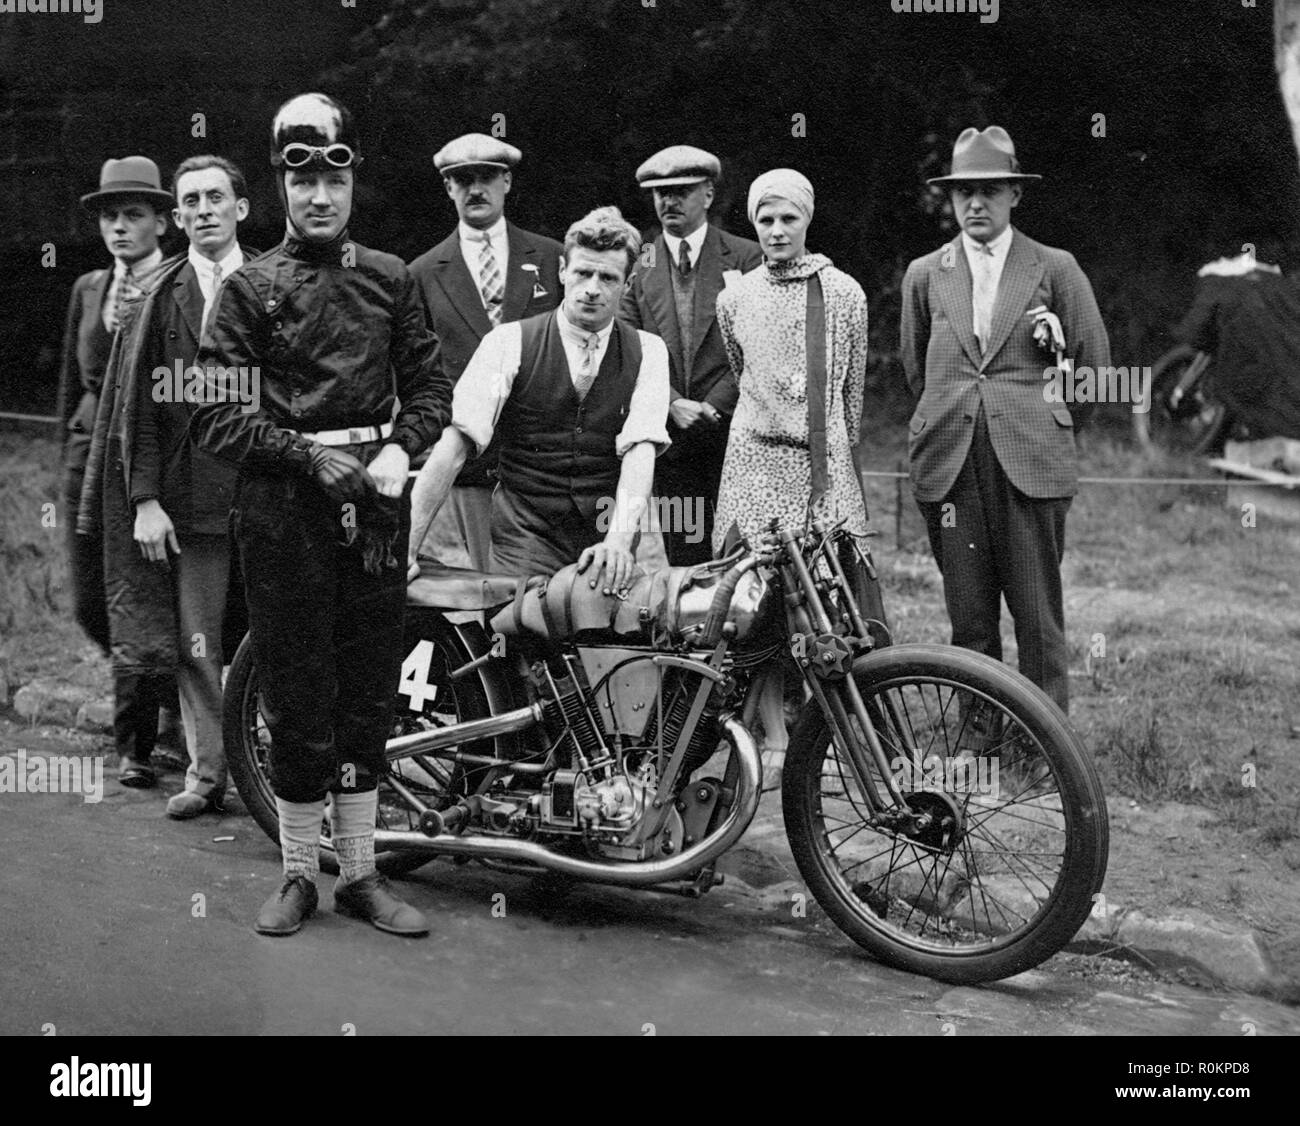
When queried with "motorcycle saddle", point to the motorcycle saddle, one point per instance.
{"points": [[454, 588]]}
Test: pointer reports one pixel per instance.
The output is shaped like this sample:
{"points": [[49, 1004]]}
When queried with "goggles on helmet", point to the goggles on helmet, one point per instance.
{"points": [[299, 155]]}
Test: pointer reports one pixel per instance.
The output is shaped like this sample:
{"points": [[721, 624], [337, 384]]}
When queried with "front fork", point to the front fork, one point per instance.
{"points": [[837, 693]]}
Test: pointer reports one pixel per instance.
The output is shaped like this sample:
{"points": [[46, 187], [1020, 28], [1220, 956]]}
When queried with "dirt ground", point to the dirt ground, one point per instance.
{"points": [[1184, 624]]}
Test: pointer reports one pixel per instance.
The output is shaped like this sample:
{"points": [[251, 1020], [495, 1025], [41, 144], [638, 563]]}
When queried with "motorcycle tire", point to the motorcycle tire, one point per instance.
{"points": [[1198, 425], [992, 911], [246, 740]]}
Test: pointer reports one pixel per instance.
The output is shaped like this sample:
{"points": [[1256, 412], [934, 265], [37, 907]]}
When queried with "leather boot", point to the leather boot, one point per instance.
{"points": [[284, 912], [372, 898]]}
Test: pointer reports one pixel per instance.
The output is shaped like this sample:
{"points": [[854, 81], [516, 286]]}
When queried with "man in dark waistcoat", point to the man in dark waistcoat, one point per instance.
{"points": [[337, 336], [580, 402], [485, 273]]}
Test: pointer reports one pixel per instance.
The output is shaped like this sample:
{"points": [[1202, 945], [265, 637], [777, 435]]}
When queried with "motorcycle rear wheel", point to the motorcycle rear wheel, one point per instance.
{"points": [[1196, 425], [247, 741], [1017, 872]]}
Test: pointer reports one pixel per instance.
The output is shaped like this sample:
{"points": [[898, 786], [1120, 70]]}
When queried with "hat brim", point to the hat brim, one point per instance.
{"points": [[968, 177], [495, 165], [675, 181], [92, 200]]}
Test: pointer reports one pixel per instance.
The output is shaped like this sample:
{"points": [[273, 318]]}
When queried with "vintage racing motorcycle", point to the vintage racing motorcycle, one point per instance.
{"points": [[940, 807]]}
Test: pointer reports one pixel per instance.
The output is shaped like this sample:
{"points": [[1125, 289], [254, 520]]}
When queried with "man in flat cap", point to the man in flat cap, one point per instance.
{"points": [[993, 459], [486, 273], [674, 296], [132, 207]]}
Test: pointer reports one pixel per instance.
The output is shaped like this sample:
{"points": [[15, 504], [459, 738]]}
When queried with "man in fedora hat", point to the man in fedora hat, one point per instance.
{"points": [[675, 297], [131, 206], [350, 390], [487, 272], [993, 459]]}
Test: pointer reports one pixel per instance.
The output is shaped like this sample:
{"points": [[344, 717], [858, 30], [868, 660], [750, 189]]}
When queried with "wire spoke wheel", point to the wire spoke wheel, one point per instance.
{"points": [[992, 864], [1183, 418], [426, 699]]}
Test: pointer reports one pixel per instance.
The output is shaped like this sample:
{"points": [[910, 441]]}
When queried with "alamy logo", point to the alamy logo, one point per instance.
{"points": [[102, 1080], [684, 515], [90, 11], [963, 774], [211, 384], [55, 775], [987, 9], [1131, 385]]}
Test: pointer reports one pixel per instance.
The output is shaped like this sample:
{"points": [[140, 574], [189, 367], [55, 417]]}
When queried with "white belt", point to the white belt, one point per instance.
{"points": [[351, 437]]}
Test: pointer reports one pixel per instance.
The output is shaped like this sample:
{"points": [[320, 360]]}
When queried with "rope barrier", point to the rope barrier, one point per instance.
{"points": [[12, 416], [1217, 482], [1194, 482]]}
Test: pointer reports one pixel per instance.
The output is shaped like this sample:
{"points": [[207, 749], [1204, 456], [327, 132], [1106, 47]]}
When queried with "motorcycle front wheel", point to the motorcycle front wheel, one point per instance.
{"points": [[426, 698], [995, 863]]}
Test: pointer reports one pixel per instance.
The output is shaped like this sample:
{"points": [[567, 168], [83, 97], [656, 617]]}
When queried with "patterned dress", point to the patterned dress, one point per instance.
{"points": [[768, 470]]}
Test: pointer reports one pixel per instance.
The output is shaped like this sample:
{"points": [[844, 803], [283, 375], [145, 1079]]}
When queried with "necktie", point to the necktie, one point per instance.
{"points": [[587, 366], [684, 260], [490, 285], [119, 290], [985, 295], [211, 300]]}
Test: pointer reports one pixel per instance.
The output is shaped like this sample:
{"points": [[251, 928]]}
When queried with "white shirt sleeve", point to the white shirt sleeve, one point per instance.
{"points": [[647, 415], [485, 384]]}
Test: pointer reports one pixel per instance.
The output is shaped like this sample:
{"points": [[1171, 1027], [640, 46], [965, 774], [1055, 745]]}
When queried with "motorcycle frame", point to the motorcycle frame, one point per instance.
{"points": [[838, 697]]}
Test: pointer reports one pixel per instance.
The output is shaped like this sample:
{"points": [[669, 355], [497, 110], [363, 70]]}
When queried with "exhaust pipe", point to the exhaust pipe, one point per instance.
{"points": [[644, 874], [424, 742]]}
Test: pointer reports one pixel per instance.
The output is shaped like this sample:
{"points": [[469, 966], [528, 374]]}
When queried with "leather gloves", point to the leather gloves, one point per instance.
{"points": [[340, 474]]}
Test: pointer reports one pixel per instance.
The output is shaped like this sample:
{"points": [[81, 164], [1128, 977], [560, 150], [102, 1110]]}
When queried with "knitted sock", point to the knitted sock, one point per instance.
{"points": [[352, 827], [300, 824]]}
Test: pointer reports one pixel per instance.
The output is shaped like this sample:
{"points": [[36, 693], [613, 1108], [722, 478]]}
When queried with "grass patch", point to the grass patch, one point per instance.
{"points": [[1200, 618]]}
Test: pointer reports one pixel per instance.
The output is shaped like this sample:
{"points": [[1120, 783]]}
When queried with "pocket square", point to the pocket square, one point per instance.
{"points": [[539, 290], [730, 277]]}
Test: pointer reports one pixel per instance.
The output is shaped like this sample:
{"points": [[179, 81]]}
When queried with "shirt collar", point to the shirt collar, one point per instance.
{"points": [[578, 335], [998, 246], [695, 240], [496, 232], [229, 264], [141, 269]]}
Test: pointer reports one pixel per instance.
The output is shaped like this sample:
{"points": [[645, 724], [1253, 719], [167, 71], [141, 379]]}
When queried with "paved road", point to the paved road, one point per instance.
{"points": [[115, 920]]}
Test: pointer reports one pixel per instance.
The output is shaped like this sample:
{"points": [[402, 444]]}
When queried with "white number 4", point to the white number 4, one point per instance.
{"points": [[415, 677]]}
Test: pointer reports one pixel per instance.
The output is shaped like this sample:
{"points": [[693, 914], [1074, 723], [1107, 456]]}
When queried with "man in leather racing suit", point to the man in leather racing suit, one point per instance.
{"points": [[333, 331]]}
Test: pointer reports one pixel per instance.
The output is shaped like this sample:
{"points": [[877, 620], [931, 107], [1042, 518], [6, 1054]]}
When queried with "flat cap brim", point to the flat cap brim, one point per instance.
{"points": [[969, 176], [674, 181], [495, 165]]}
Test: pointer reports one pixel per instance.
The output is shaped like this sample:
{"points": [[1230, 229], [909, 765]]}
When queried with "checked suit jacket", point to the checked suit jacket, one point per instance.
{"points": [[1032, 437], [456, 309]]}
